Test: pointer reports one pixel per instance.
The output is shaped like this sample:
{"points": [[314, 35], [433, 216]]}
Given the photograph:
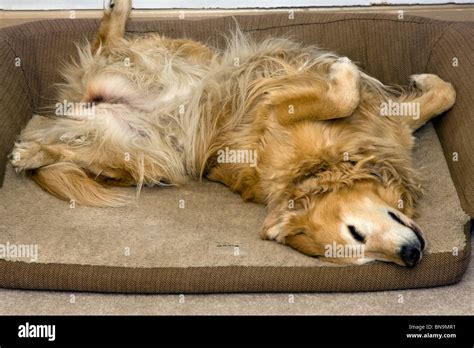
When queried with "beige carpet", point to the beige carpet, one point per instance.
{"points": [[447, 300], [159, 233]]}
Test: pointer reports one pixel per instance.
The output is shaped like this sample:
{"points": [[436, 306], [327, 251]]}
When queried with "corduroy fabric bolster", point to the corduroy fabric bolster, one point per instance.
{"points": [[452, 59], [15, 100]]}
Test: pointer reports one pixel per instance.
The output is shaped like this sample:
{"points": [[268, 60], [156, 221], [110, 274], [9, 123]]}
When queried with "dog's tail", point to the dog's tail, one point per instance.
{"points": [[70, 182]]}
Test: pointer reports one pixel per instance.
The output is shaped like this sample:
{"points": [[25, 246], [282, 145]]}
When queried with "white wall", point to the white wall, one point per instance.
{"points": [[144, 4]]}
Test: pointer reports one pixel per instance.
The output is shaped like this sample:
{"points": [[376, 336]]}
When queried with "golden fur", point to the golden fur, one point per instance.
{"points": [[327, 162]]}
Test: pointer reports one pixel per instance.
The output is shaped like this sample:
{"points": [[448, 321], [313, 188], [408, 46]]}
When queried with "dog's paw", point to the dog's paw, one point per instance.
{"points": [[26, 155], [275, 232], [344, 60], [343, 69], [344, 76], [118, 6], [425, 82], [109, 5], [433, 83]]}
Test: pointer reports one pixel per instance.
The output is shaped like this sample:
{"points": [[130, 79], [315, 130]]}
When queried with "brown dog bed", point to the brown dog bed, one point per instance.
{"points": [[211, 244]]}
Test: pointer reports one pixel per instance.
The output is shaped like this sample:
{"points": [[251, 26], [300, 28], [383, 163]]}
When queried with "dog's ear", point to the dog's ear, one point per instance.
{"points": [[300, 200], [70, 182]]}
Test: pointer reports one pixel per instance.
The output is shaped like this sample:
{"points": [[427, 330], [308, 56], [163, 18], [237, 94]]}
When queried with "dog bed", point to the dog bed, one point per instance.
{"points": [[202, 238]]}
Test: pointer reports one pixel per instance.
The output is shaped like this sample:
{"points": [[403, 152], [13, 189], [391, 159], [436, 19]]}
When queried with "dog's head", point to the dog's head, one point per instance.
{"points": [[353, 225]]}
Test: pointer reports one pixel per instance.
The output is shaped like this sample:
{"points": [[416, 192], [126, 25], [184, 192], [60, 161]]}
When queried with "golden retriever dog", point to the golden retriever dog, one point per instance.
{"points": [[324, 146]]}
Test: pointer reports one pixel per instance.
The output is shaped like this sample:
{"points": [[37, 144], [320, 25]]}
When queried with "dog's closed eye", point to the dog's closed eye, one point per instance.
{"points": [[298, 232], [397, 218], [356, 234]]}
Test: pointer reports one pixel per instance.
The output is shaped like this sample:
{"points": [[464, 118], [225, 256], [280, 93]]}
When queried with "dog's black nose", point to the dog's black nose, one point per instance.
{"points": [[410, 255]]}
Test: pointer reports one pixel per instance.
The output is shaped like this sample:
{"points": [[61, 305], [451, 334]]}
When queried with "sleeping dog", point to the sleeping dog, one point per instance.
{"points": [[293, 127]]}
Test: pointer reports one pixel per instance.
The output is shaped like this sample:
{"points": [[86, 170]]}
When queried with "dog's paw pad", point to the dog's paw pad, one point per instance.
{"points": [[109, 5], [117, 6], [424, 82], [417, 80]]}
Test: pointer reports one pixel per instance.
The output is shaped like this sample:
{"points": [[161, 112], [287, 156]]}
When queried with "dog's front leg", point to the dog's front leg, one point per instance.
{"points": [[435, 97], [310, 96]]}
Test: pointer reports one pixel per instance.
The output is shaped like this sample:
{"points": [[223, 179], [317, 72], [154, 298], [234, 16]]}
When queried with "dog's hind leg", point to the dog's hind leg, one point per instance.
{"points": [[309, 96], [62, 167], [51, 168], [436, 97], [112, 26]]}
